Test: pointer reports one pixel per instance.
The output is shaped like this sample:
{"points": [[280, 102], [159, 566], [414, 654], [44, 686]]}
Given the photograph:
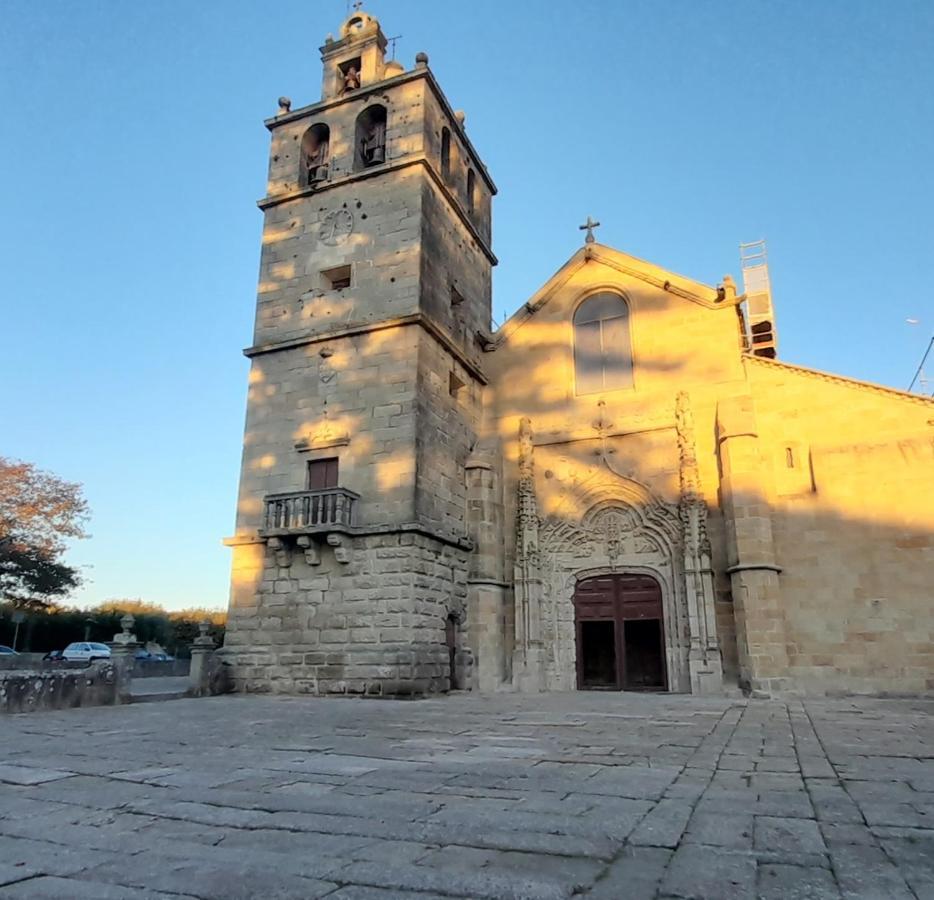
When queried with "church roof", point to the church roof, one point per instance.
{"points": [[632, 266], [839, 379]]}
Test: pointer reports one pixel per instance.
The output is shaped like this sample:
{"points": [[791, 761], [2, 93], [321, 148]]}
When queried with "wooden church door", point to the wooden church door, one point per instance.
{"points": [[620, 634]]}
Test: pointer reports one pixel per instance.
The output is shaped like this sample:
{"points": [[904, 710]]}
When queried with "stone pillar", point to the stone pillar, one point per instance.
{"points": [[704, 660], [201, 651], [745, 488], [486, 586], [528, 669], [123, 655]]}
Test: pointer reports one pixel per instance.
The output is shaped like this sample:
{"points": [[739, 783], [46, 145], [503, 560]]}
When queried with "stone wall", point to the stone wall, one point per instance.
{"points": [[372, 625], [853, 523], [33, 691], [448, 420], [20, 661]]}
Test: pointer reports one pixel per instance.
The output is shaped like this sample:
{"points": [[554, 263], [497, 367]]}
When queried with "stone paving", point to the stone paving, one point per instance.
{"points": [[600, 795]]}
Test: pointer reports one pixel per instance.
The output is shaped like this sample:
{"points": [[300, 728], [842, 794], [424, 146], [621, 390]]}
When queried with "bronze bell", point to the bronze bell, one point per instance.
{"points": [[378, 154]]}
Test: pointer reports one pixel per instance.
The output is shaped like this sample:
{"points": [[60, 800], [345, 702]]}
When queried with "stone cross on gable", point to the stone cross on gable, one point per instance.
{"points": [[589, 226]]}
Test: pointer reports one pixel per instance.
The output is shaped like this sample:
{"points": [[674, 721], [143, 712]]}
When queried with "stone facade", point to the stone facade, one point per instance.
{"points": [[496, 519]]}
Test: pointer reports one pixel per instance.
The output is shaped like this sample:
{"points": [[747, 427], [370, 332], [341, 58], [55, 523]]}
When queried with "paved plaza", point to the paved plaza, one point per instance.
{"points": [[599, 795]]}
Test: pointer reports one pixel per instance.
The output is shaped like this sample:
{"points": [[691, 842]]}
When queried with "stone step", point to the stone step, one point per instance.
{"points": [[158, 697]]}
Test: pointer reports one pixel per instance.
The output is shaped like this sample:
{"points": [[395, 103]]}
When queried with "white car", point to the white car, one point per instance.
{"points": [[86, 650]]}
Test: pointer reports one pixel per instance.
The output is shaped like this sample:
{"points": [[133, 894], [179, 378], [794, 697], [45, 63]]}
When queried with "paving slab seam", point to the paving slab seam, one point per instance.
{"points": [[620, 854], [842, 784]]}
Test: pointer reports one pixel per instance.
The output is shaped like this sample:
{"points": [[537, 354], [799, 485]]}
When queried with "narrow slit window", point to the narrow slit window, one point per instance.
{"points": [[445, 153], [789, 457], [471, 191]]}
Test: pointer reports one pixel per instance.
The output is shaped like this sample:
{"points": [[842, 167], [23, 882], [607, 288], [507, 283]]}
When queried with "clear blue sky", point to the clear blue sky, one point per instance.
{"points": [[132, 151]]}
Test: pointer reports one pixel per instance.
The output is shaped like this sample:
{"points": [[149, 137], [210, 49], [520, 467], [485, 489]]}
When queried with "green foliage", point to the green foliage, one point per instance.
{"points": [[53, 627], [39, 513]]}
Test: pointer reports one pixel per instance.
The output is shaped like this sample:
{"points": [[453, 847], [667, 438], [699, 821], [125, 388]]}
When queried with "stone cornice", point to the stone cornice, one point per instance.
{"points": [[840, 379], [441, 336], [383, 169], [452, 540]]}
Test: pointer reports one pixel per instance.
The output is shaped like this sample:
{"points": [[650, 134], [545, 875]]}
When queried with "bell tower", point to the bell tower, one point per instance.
{"points": [[350, 553]]}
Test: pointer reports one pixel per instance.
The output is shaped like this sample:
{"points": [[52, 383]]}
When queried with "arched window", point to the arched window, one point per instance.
{"points": [[445, 153], [370, 137], [315, 149], [471, 191], [602, 351]]}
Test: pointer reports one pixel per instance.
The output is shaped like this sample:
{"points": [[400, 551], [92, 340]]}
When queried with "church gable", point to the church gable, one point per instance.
{"points": [[608, 324]]}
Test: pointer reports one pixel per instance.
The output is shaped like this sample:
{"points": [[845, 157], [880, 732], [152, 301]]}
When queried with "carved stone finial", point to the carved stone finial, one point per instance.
{"points": [[727, 289], [204, 640], [684, 425], [525, 448], [421, 60], [285, 105], [693, 509], [460, 117], [126, 622]]}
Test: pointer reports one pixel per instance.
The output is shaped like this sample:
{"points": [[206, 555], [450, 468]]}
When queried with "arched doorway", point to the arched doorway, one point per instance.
{"points": [[620, 634]]}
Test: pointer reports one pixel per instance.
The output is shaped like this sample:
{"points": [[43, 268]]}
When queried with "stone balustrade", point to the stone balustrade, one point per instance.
{"points": [[301, 512]]}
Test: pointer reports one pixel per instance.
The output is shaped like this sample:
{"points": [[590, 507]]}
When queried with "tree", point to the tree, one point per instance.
{"points": [[39, 513]]}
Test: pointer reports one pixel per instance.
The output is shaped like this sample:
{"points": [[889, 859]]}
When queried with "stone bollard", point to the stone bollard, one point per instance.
{"points": [[201, 651], [122, 653]]}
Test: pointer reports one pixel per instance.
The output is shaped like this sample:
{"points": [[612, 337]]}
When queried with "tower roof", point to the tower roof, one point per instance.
{"points": [[358, 24]]}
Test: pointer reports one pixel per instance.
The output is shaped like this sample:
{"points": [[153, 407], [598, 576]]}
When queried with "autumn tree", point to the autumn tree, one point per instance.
{"points": [[39, 514]]}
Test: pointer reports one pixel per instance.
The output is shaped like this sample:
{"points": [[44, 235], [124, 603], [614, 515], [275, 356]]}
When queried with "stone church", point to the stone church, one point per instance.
{"points": [[622, 488]]}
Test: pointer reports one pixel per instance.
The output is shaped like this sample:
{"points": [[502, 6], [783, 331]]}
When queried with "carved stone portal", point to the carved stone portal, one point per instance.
{"points": [[624, 528]]}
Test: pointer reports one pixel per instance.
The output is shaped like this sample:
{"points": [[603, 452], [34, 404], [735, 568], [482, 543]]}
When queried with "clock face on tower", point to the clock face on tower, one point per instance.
{"points": [[336, 227]]}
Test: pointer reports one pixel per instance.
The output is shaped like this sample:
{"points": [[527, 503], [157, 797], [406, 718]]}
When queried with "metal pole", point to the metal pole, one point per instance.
{"points": [[920, 371], [17, 617]]}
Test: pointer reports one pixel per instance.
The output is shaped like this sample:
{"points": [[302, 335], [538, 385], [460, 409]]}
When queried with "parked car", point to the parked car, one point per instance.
{"points": [[146, 656], [53, 656], [86, 650], [7, 651]]}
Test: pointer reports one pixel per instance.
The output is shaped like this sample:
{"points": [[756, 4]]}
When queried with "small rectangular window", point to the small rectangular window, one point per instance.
{"points": [[322, 474], [336, 279]]}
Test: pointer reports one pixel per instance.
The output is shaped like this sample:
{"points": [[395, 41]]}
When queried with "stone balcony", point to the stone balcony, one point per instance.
{"points": [[309, 512]]}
